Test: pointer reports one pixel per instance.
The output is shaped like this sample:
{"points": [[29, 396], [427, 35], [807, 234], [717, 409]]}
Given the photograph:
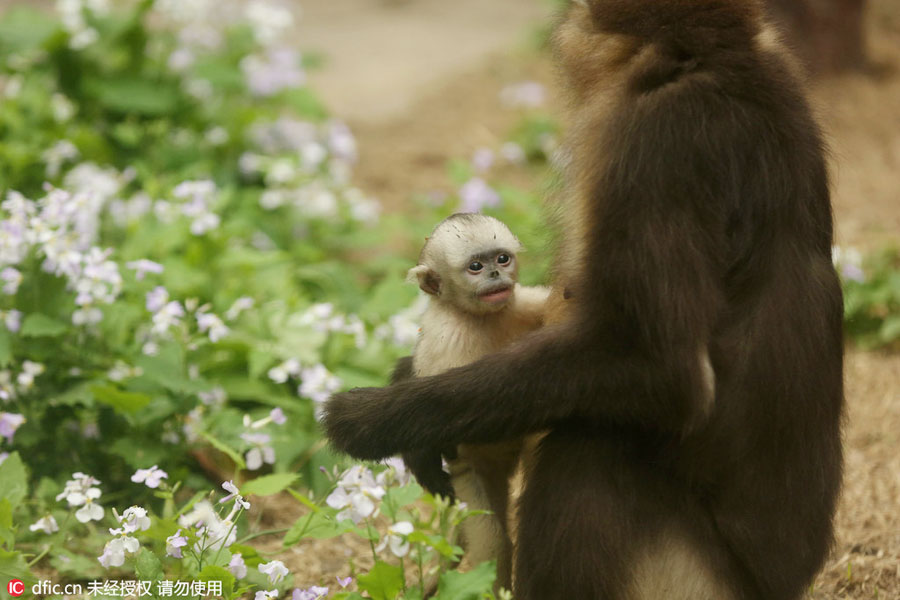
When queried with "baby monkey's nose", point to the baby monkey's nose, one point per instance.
{"points": [[495, 274]]}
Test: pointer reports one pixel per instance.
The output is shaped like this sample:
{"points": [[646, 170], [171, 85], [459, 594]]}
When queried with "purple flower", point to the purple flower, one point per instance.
{"points": [[277, 416], [483, 159], [174, 544], [157, 298], [278, 70], [853, 272], [237, 566], [313, 593], [476, 194], [9, 422], [345, 581], [513, 153], [143, 266]]}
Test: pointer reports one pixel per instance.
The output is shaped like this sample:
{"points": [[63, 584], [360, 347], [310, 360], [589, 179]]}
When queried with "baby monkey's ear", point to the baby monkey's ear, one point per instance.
{"points": [[429, 281]]}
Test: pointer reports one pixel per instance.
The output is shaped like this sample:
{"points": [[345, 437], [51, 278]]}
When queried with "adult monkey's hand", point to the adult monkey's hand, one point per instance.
{"points": [[354, 422]]}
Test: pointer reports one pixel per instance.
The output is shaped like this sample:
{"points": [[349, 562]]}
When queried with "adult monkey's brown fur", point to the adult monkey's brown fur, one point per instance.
{"points": [[700, 227]]}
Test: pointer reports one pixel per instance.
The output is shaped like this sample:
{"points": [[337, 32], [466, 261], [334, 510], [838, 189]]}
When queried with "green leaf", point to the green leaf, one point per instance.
{"points": [[397, 498], [383, 582], [6, 526], [148, 567], [221, 447], [472, 585], [269, 485], [890, 329], [438, 542], [13, 479], [25, 28], [123, 402], [249, 553], [135, 95], [5, 348], [318, 525], [13, 566], [39, 325], [214, 573]]}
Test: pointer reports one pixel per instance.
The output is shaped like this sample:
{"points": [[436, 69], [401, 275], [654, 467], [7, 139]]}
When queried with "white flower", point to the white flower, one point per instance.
{"points": [[203, 513], [46, 524], [79, 491], [396, 472], [133, 519], [266, 595], [281, 373], [181, 59], [213, 397], [144, 266], [362, 208], [151, 477], [115, 550], [209, 322], [11, 279], [77, 487], [12, 319], [205, 222], [237, 566], [240, 305], [261, 452], [396, 539], [30, 370], [54, 157], [269, 21], [357, 494], [90, 511], [357, 505], [167, 317], [318, 384], [275, 570]]}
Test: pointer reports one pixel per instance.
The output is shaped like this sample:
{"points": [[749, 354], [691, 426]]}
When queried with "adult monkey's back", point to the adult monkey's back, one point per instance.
{"points": [[692, 385]]}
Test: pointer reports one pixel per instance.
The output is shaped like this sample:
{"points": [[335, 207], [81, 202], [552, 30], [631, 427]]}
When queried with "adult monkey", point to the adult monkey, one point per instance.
{"points": [[692, 383]]}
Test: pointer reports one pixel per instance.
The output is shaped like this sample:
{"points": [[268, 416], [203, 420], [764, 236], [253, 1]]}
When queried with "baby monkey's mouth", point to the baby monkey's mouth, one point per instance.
{"points": [[496, 295]]}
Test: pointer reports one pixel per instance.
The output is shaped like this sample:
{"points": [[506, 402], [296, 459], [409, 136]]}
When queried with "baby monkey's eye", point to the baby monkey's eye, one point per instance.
{"points": [[503, 259], [475, 266]]}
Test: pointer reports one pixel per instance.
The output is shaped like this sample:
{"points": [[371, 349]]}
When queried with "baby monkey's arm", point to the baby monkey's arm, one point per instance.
{"points": [[530, 303]]}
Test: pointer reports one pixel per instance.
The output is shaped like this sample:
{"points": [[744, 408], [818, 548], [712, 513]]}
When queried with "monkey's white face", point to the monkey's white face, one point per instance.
{"points": [[486, 282], [469, 262]]}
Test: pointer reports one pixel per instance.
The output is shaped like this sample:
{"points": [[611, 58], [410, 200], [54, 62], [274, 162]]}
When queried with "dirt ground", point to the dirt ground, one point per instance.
{"points": [[407, 138]]}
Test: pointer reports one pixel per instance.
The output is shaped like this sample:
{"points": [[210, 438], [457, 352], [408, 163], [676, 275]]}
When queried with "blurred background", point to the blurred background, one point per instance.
{"points": [[208, 209]]}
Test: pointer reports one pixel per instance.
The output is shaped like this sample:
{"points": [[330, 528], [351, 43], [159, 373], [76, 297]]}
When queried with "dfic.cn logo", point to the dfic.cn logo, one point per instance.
{"points": [[15, 587]]}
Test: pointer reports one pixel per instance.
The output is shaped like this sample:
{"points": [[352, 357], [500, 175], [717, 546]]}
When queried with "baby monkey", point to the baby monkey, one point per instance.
{"points": [[468, 266]]}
